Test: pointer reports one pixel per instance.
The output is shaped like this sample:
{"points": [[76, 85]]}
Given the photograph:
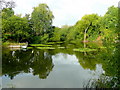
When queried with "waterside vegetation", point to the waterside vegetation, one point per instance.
{"points": [[36, 28]]}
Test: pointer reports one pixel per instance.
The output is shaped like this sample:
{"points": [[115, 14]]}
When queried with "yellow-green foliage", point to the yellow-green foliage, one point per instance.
{"points": [[40, 45], [45, 47], [38, 28], [85, 50]]}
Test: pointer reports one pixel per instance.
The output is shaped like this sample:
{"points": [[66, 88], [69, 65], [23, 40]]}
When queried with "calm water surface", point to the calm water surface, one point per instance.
{"points": [[60, 68]]}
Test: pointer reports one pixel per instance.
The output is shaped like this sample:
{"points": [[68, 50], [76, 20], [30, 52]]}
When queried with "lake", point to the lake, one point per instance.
{"points": [[61, 67]]}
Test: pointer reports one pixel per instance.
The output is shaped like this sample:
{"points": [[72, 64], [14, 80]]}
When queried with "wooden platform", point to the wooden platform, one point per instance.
{"points": [[17, 46], [14, 46]]}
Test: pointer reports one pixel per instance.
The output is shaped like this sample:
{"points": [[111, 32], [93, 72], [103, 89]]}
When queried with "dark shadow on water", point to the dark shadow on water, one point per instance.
{"points": [[30, 61]]}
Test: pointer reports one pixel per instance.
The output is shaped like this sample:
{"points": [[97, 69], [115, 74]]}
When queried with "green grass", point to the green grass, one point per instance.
{"points": [[102, 47], [61, 47], [72, 42], [40, 45], [59, 42], [5, 43], [84, 50], [45, 47], [52, 43], [10, 43], [49, 44]]}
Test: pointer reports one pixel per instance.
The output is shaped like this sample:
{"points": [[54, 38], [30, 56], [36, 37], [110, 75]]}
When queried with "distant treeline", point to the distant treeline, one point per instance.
{"points": [[37, 27]]}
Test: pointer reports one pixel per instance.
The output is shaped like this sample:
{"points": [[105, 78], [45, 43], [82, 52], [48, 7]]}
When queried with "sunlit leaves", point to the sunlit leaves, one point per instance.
{"points": [[109, 24], [41, 19], [89, 22], [17, 27], [7, 12]]}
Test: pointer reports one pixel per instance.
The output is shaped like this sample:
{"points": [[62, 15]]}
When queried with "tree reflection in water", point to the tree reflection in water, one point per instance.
{"points": [[15, 62], [110, 60], [39, 62]]}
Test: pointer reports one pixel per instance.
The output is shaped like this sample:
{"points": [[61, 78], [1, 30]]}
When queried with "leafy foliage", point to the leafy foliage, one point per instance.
{"points": [[16, 28], [37, 28], [41, 19]]}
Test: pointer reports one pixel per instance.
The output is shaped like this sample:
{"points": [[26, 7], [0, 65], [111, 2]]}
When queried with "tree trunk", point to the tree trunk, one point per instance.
{"points": [[85, 35]]}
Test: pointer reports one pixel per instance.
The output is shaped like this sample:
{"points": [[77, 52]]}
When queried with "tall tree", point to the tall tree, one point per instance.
{"points": [[16, 29], [109, 24], [42, 19], [86, 28], [7, 13]]}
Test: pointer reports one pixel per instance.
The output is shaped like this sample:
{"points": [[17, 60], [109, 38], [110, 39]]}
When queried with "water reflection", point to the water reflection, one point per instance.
{"points": [[98, 69], [110, 60], [34, 61]]}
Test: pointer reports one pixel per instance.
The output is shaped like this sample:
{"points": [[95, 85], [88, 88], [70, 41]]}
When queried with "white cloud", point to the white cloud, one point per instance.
{"points": [[66, 11]]}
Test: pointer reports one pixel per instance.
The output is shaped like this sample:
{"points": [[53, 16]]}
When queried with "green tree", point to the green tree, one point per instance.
{"points": [[87, 26], [71, 35], [6, 13], [56, 34], [42, 19], [109, 24], [16, 29], [64, 32], [60, 34]]}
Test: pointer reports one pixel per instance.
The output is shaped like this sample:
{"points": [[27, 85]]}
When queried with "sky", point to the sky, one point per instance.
{"points": [[66, 12]]}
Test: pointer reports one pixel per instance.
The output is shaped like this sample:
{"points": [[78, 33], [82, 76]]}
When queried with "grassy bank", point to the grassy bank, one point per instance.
{"points": [[6, 44]]}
